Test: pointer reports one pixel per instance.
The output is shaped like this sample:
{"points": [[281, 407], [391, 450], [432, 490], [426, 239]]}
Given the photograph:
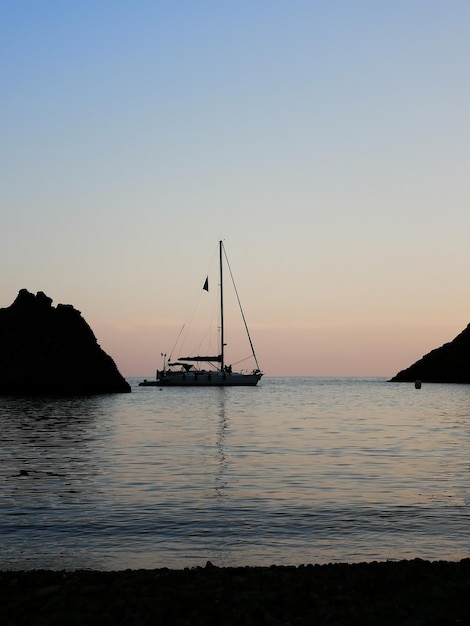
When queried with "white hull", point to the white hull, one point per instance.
{"points": [[204, 379]]}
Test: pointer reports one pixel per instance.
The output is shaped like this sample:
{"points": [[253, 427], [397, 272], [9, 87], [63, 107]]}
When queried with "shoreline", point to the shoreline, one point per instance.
{"points": [[380, 592]]}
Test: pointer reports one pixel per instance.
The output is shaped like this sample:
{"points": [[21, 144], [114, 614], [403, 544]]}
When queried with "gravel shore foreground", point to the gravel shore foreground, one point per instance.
{"points": [[411, 593]]}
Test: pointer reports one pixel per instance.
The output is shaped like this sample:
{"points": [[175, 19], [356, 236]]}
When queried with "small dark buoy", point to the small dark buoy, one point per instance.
{"points": [[417, 384]]}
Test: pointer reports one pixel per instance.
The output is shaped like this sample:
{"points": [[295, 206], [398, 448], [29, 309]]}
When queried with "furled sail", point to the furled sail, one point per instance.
{"points": [[218, 358]]}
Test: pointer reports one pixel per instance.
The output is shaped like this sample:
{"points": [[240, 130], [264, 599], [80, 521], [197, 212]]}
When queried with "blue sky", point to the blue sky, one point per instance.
{"points": [[326, 142]]}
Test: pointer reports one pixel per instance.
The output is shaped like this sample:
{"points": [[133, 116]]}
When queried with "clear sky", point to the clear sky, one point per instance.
{"points": [[327, 142]]}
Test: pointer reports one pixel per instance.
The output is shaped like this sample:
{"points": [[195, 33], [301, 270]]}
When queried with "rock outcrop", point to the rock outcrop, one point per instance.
{"points": [[448, 364], [46, 350]]}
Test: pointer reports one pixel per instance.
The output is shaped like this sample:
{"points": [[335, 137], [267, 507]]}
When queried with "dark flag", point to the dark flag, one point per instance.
{"points": [[206, 284]]}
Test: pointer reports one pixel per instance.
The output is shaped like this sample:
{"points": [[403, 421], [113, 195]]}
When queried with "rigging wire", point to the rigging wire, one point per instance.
{"points": [[240, 307], [183, 334]]}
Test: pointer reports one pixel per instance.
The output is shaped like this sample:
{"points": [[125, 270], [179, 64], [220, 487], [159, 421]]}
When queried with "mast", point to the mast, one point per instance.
{"points": [[222, 340]]}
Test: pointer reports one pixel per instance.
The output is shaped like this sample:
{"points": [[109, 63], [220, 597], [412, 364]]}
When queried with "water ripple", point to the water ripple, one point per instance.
{"points": [[293, 471]]}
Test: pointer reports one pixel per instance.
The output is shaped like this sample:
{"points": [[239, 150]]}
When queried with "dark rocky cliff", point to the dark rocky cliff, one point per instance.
{"points": [[46, 350], [448, 364]]}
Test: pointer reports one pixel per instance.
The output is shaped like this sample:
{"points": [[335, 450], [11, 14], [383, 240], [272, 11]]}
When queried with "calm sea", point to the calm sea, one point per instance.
{"points": [[296, 470]]}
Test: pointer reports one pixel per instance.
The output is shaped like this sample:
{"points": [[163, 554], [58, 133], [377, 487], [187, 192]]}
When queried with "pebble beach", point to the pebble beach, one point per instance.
{"points": [[414, 592]]}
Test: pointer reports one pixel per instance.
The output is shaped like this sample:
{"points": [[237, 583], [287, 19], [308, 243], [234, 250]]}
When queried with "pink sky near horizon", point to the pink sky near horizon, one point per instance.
{"points": [[329, 351], [326, 143]]}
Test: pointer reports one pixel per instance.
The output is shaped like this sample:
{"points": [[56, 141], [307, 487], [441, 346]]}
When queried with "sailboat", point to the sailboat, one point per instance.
{"points": [[212, 370]]}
